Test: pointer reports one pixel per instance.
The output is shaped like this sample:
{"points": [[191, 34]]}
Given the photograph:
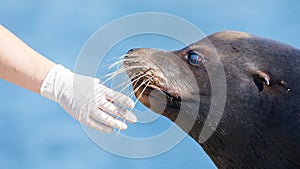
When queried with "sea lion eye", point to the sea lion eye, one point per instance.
{"points": [[194, 59]]}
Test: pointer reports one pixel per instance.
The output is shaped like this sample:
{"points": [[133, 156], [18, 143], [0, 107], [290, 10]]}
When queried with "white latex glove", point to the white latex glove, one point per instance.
{"points": [[85, 99]]}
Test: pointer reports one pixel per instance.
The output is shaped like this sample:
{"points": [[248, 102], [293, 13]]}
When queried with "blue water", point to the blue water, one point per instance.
{"points": [[36, 133]]}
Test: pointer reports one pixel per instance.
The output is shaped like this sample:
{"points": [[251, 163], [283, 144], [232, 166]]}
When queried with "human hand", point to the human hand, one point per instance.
{"points": [[88, 101]]}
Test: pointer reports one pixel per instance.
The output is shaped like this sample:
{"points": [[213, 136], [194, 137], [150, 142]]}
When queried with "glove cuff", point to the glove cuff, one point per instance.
{"points": [[53, 81]]}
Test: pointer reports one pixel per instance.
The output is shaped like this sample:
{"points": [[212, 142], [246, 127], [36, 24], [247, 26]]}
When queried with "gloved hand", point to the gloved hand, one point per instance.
{"points": [[85, 99]]}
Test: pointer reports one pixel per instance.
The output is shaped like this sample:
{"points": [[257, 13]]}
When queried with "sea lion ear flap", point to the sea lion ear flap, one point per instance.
{"points": [[261, 78]]}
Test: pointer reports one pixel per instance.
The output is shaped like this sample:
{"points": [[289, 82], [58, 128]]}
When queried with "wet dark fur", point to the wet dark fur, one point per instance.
{"points": [[260, 126]]}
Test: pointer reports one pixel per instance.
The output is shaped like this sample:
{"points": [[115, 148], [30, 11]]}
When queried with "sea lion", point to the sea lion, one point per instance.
{"points": [[260, 124]]}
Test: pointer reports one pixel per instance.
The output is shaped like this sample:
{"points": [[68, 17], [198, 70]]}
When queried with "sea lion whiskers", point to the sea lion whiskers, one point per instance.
{"points": [[128, 83], [116, 57], [145, 81], [117, 72], [135, 81], [125, 81], [141, 84], [120, 70], [149, 80], [119, 63], [139, 76]]}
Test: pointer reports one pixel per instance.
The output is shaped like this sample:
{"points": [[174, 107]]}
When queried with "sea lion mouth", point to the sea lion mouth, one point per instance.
{"points": [[142, 87], [171, 101], [155, 86]]}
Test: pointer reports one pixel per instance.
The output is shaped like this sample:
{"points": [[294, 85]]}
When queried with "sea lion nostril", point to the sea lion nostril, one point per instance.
{"points": [[128, 53], [132, 51]]}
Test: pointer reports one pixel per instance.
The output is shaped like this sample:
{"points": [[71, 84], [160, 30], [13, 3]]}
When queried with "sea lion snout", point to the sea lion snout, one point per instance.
{"points": [[169, 73], [143, 69]]}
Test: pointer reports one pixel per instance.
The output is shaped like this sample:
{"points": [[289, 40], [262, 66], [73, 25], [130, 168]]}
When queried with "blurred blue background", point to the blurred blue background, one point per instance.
{"points": [[37, 133]]}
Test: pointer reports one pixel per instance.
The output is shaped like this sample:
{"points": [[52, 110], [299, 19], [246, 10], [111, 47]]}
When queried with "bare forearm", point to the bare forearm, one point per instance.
{"points": [[21, 65]]}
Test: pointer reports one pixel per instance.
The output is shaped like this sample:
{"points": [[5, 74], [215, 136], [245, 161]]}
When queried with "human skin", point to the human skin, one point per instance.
{"points": [[20, 64]]}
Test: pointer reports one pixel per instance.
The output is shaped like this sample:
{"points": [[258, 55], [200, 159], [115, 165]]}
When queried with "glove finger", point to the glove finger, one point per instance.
{"points": [[119, 98], [108, 120], [91, 122], [118, 111]]}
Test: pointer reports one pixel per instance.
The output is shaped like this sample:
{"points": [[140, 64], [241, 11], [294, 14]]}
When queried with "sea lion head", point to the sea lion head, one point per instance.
{"points": [[260, 123], [176, 76]]}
